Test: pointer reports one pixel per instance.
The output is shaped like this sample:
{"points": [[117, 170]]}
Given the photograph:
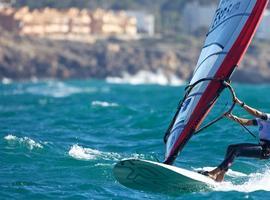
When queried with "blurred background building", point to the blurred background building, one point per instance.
{"points": [[264, 28], [197, 17], [7, 3], [71, 38], [69, 24], [145, 22]]}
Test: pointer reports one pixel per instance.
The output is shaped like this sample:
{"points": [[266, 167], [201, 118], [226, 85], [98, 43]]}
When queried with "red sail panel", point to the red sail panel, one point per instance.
{"points": [[230, 34]]}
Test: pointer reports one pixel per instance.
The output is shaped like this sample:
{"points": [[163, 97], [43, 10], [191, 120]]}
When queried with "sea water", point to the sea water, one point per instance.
{"points": [[61, 140]]}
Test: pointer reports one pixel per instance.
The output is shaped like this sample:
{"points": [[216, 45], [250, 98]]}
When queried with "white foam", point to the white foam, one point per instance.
{"points": [[255, 182], [6, 81], [146, 77], [102, 165], [25, 141], [248, 183], [104, 104], [58, 89], [137, 156], [10, 137], [82, 153], [235, 174]]}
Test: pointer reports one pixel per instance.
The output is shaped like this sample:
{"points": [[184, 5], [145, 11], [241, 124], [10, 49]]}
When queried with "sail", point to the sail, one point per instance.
{"points": [[230, 34]]}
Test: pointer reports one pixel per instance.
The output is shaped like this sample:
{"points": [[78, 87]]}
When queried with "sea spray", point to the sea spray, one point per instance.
{"points": [[58, 89], [24, 141], [103, 104], [256, 182], [146, 77], [81, 153]]}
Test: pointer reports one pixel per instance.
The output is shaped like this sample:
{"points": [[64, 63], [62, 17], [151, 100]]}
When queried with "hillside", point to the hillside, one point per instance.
{"points": [[26, 58]]}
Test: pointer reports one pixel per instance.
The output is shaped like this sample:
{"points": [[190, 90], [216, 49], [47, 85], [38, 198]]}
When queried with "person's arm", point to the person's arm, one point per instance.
{"points": [[251, 110], [246, 122]]}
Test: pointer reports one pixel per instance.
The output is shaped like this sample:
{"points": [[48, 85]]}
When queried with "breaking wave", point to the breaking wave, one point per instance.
{"points": [[57, 89], [6, 81], [245, 182], [82, 153], [146, 77], [104, 104], [254, 182], [24, 141]]}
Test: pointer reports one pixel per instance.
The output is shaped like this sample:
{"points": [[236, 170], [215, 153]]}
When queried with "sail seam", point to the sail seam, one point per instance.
{"points": [[241, 14], [214, 54], [214, 43]]}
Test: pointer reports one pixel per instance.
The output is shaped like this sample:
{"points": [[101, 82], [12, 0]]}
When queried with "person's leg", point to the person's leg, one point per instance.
{"points": [[233, 151], [241, 150], [266, 150]]}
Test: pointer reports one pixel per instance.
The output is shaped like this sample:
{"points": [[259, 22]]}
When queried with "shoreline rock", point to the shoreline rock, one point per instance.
{"points": [[24, 58]]}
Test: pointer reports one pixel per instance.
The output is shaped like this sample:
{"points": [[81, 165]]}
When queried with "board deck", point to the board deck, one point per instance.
{"points": [[157, 177]]}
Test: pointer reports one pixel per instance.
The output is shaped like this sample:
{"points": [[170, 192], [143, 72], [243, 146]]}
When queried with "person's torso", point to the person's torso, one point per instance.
{"points": [[264, 128]]}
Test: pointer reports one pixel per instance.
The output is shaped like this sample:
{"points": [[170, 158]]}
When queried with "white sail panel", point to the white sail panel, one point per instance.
{"points": [[232, 28]]}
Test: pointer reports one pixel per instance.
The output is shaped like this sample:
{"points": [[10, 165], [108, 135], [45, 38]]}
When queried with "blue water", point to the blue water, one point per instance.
{"points": [[62, 139]]}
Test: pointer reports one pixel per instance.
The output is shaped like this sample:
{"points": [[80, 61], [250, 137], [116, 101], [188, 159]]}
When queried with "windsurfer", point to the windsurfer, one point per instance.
{"points": [[260, 150]]}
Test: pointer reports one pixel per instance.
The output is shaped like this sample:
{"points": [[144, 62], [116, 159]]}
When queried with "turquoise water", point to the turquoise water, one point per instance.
{"points": [[62, 139]]}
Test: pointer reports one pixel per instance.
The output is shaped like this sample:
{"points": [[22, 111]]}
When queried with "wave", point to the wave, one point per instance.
{"points": [[245, 182], [82, 153], [255, 182], [24, 141], [146, 77], [6, 81], [104, 104], [57, 89]]}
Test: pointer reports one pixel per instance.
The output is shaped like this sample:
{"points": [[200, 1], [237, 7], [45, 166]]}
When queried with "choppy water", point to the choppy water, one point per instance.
{"points": [[62, 139]]}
